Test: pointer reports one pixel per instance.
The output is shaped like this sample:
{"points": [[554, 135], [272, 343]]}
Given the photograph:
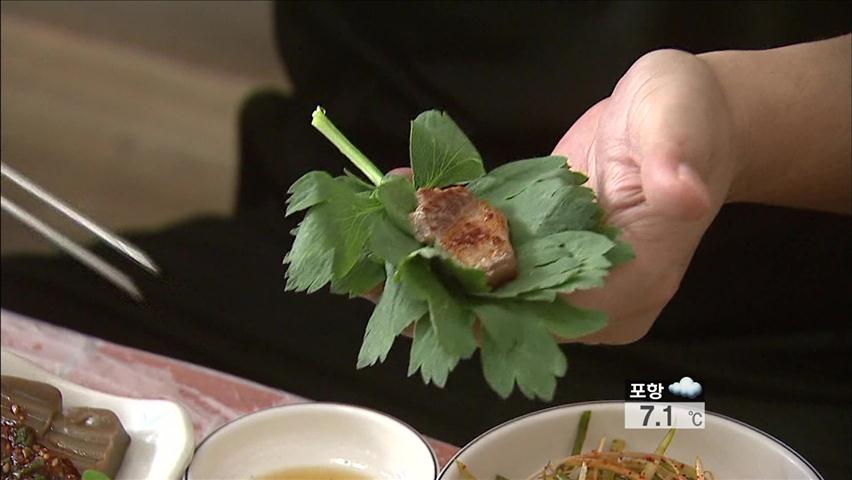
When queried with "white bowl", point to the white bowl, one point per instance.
{"points": [[161, 438], [314, 435], [727, 447]]}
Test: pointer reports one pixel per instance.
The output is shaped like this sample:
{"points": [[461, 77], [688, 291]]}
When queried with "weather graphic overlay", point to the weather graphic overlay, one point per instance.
{"points": [[686, 387], [664, 404]]}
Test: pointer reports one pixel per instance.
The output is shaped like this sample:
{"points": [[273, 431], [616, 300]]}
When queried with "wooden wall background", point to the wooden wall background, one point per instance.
{"points": [[127, 110]]}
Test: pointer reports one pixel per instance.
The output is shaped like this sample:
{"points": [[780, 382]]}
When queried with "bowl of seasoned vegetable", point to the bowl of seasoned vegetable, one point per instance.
{"points": [[588, 440]]}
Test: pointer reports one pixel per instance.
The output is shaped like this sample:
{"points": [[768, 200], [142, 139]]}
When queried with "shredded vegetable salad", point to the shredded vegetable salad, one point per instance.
{"points": [[612, 462]]}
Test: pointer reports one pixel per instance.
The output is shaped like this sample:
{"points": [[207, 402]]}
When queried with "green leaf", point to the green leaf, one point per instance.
{"points": [[536, 277], [505, 328], [363, 277], [356, 182], [473, 280], [390, 243], [312, 255], [398, 199], [550, 206], [508, 180], [621, 253], [309, 190], [559, 317], [567, 321], [356, 235], [497, 367], [518, 349], [539, 196], [355, 217], [451, 320], [546, 295], [427, 355], [441, 154], [518, 346], [590, 275], [396, 310], [561, 259], [336, 228]]}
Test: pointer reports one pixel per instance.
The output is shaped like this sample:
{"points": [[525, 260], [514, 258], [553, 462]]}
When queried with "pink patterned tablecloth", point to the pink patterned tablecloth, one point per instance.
{"points": [[211, 397]]}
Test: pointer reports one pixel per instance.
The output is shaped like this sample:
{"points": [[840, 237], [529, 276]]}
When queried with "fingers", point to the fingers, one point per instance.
{"points": [[375, 293], [402, 172]]}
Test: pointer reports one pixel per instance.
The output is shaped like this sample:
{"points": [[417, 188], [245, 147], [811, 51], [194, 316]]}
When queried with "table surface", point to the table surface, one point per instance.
{"points": [[210, 397]]}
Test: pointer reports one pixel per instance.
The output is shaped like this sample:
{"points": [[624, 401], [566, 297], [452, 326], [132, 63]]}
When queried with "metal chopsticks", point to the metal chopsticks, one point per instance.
{"points": [[67, 245]]}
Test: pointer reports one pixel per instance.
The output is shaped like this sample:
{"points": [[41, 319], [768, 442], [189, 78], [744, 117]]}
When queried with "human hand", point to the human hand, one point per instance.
{"points": [[681, 134], [660, 154]]}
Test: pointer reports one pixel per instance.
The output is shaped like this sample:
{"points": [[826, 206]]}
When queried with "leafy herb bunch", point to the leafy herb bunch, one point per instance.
{"points": [[357, 235]]}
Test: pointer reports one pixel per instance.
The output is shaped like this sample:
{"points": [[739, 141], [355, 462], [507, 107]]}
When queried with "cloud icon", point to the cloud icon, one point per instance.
{"points": [[686, 387]]}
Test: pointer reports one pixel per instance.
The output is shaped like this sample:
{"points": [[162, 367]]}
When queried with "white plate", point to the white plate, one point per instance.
{"points": [[727, 447], [314, 434], [161, 437]]}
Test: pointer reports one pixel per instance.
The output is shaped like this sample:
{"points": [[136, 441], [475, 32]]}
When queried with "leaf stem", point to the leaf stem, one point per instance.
{"points": [[324, 125]]}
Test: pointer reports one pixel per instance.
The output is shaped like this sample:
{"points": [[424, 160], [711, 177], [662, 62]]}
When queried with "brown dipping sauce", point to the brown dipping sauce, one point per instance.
{"points": [[315, 473], [40, 442]]}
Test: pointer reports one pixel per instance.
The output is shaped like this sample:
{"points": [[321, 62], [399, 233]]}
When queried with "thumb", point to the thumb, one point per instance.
{"points": [[672, 184]]}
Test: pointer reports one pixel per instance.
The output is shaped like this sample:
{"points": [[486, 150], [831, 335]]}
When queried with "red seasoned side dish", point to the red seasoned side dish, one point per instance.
{"points": [[24, 458], [42, 442]]}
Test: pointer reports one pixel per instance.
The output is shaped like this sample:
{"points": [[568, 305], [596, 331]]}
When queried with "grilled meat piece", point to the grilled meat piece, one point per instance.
{"points": [[471, 230]]}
